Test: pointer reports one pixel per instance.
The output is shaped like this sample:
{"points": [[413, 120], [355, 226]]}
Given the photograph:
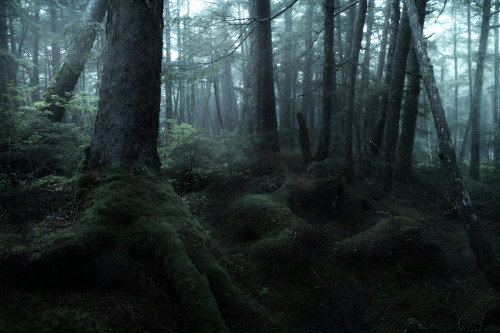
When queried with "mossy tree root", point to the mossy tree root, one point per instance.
{"points": [[141, 214], [156, 224]]}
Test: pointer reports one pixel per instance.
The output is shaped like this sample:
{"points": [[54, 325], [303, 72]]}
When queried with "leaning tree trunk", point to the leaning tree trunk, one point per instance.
{"points": [[59, 91], [486, 257], [129, 137]]}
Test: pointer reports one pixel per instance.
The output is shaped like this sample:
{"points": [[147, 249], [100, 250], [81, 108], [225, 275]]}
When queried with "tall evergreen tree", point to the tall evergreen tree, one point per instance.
{"points": [[263, 96]]}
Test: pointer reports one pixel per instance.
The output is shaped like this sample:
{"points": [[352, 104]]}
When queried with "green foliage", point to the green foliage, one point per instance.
{"points": [[32, 146], [193, 159], [187, 149]]}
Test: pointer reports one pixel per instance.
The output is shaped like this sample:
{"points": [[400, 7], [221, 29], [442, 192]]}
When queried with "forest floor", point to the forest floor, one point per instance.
{"points": [[367, 262]]}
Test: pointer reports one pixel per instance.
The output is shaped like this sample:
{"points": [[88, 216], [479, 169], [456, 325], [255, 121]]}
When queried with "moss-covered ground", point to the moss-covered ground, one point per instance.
{"points": [[274, 249]]}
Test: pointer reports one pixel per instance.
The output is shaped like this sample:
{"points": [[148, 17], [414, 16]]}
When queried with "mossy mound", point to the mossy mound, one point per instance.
{"points": [[138, 215], [383, 239]]}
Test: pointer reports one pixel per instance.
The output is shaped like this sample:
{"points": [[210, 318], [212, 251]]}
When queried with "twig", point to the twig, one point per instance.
{"points": [[314, 271]]}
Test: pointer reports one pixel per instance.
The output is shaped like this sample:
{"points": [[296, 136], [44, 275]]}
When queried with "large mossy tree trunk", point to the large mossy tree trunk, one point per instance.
{"points": [[59, 91], [126, 128], [486, 258]]}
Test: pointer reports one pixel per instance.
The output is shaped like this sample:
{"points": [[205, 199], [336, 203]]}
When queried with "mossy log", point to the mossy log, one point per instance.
{"points": [[138, 217]]}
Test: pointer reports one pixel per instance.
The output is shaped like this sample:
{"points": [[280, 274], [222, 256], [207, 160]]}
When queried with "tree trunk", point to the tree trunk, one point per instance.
{"points": [[393, 111], [496, 89], [486, 258], [169, 114], [405, 148], [55, 48], [59, 91], [181, 117], [371, 109], [477, 93], [329, 84], [455, 97], [351, 90], [365, 71], [307, 107], [465, 143], [305, 146], [128, 137], [35, 74], [263, 97], [4, 58], [286, 97], [378, 130]]}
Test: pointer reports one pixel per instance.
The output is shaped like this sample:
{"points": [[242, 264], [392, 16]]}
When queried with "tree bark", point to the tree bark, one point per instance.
{"points": [[410, 113], [329, 84], [127, 122], [351, 90], [169, 114], [307, 106], [35, 74], [455, 97], [465, 143], [378, 130], [263, 96], [477, 92], [286, 98], [486, 257], [59, 91], [55, 48], [4, 58], [496, 89], [365, 71], [393, 110], [371, 109], [305, 146]]}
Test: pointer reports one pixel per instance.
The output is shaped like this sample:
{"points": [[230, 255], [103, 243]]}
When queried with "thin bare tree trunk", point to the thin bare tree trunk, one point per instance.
{"points": [[351, 91], [477, 93]]}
